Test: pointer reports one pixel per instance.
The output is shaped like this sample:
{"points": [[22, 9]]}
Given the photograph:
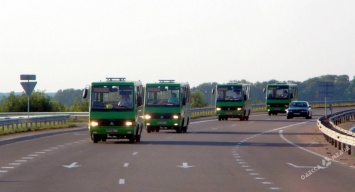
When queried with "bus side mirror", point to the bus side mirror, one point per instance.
{"points": [[245, 97], [139, 101], [264, 90], [213, 91], [184, 101], [85, 93], [291, 96]]}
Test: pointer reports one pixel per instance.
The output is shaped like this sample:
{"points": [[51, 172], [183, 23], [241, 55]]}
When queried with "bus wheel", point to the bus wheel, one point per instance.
{"points": [[219, 118], [138, 138], [104, 138], [131, 139], [269, 113], [149, 129], [184, 129], [157, 129], [95, 138], [178, 129]]}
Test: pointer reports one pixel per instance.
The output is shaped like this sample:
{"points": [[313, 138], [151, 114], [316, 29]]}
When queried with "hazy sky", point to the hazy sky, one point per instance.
{"points": [[70, 43]]}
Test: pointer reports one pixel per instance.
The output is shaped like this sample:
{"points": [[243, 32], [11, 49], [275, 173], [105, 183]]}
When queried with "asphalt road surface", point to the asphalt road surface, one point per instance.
{"points": [[265, 153]]}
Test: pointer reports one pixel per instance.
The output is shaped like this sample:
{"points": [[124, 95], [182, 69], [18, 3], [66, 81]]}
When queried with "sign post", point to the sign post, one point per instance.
{"points": [[325, 89], [28, 87]]}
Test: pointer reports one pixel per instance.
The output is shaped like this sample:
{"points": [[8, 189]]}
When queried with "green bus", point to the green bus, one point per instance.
{"points": [[232, 101], [115, 110], [279, 96], [167, 105]]}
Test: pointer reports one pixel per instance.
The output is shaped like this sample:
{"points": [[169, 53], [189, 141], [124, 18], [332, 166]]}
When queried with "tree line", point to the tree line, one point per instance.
{"points": [[70, 100], [343, 89]]}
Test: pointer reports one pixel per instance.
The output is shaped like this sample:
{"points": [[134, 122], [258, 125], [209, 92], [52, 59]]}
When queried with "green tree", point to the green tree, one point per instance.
{"points": [[206, 91], [68, 96], [39, 102], [197, 100], [80, 106], [350, 92]]}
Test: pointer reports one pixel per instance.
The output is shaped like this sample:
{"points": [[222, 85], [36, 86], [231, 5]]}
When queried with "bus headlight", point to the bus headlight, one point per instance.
{"points": [[239, 108], [129, 123], [175, 116], [218, 108], [147, 116], [94, 123]]}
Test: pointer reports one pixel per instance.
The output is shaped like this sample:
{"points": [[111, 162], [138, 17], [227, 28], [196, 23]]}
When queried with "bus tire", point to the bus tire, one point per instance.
{"points": [[138, 138], [104, 138], [184, 129], [132, 139], [95, 138], [149, 129], [178, 130]]}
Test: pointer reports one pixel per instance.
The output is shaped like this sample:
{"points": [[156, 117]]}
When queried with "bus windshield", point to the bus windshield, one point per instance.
{"points": [[111, 98], [162, 96], [229, 93], [278, 92]]}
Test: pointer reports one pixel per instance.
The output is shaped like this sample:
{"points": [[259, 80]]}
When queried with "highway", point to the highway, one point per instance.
{"points": [[266, 153]]}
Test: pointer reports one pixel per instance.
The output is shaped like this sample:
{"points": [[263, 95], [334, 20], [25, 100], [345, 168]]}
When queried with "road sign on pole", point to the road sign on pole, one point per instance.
{"points": [[28, 87], [27, 77]]}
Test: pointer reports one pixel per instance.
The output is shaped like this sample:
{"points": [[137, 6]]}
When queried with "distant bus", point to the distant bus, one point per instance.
{"points": [[232, 101], [116, 110], [279, 96], [167, 105]]}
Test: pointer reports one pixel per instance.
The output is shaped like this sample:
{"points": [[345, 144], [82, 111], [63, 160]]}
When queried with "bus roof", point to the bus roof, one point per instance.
{"points": [[167, 83], [283, 84], [116, 81], [234, 84]]}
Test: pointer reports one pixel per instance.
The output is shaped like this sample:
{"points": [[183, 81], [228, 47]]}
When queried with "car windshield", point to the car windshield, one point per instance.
{"points": [[229, 93], [277, 92], [111, 98], [299, 104], [163, 96]]}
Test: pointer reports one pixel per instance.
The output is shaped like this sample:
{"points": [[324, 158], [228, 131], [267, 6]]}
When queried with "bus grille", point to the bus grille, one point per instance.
{"points": [[161, 116]]}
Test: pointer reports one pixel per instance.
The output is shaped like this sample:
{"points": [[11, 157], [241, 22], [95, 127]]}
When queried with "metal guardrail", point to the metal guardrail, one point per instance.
{"points": [[15, 123], [337, 136]]}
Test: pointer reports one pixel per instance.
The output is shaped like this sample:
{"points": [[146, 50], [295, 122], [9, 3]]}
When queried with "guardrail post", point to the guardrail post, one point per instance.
{"points": [[349, 149], [339, 145]]}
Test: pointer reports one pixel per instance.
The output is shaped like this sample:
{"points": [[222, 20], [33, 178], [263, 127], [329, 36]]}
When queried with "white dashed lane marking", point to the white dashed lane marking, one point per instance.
{"points": [[31, 156], [121, 182]]}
